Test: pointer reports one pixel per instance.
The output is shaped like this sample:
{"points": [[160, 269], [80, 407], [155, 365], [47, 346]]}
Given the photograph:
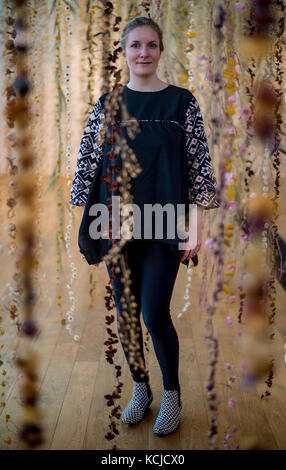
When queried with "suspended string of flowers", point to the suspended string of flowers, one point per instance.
{"points": [[60, 12], [10, 32], [265, 128], [230, 135], [68, 33], [209, 243], [33, 19], [231, 177], [130, 167], [93, 20], [189, 78], [212, 342], [15, 293], [30, 431], [273, 135], [85, 14]]}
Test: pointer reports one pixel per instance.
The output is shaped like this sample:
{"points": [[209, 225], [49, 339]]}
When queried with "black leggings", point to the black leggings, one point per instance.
{"points": [[153, 273]]}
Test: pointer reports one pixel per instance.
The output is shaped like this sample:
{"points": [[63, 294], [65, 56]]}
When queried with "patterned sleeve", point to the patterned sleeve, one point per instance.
{"points": [[89, 155], [201, 175]]}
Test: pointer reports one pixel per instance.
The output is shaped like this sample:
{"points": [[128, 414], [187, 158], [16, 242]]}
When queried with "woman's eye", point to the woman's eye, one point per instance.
{"points": [[137, 45]]}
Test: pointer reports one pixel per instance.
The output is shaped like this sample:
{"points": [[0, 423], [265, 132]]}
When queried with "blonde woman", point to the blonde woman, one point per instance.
{"points": [[173, 153]]}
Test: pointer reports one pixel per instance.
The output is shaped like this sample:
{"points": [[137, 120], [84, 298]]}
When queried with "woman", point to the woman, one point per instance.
{"points": [[172, 151]]}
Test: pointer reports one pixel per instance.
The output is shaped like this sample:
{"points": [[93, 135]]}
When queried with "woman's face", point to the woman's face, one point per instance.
{"points": [[142, 51]]}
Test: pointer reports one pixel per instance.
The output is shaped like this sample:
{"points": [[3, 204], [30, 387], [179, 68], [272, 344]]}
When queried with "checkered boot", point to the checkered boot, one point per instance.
{"points": [[169, 415], [141, 400]]}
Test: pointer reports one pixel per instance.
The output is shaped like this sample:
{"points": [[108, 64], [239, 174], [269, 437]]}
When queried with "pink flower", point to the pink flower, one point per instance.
{"points": [[228, 178], [231, 379], [234, 429], [230, 130], [252, 195], [231, 402], [227, 153], [209, 243], [245, 239], [228, 366], [231, 99], [242, 367], [243, 149], [239, 333], [228, 320], [231, 266], [245, 112], [232, 298], [232, 206], [239, 6]]}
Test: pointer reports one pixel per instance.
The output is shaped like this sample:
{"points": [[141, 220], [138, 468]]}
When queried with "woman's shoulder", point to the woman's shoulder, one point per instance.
{"points": [[103, 98], [181, 90]]}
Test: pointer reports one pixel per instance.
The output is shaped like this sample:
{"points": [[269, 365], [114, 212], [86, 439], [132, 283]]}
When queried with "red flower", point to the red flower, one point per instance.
{"points": [[111, 154], [106, 178]]}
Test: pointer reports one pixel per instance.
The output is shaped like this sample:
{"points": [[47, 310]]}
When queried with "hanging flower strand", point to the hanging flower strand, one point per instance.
{"points": [[31, 431]]}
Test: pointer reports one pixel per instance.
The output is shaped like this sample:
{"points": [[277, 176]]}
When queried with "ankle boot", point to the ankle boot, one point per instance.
{"points": [[141, 400], [168, 418]]}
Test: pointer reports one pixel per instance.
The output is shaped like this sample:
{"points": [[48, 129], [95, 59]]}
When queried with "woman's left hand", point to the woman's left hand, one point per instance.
{"points": [[195, 242]]}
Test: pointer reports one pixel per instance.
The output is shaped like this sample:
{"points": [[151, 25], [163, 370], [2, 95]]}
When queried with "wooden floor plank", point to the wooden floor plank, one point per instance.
{"points": [[71, 425]]}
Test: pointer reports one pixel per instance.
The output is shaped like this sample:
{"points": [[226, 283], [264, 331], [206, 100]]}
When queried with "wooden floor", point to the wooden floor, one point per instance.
{"points": [[74, 376]]}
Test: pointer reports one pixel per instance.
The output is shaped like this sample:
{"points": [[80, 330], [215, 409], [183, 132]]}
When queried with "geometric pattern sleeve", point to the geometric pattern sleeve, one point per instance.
{"points": [[89, 155], [201, 175]]}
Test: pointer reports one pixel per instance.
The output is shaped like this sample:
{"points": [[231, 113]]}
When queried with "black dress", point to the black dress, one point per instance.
{"points": [[172, 151]]}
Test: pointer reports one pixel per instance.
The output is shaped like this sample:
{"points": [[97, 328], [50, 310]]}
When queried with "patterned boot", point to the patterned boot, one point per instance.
{"points": [[141, 400], [169, 415]]}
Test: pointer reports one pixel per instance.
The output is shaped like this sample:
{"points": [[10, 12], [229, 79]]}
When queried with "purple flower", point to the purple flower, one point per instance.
{"points": [[245, 239], [231, 379], [231, 402], [232, 206], [228, 320], [239, 6], [245, 112], [228, 176], [230, 130]]}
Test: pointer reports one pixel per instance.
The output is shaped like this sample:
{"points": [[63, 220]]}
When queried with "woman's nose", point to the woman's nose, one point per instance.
{"points": [[143, 52]]}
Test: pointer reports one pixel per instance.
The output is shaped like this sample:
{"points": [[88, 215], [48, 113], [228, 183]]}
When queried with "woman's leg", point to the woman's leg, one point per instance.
{"points": [[133, 258], [159, 272]]}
